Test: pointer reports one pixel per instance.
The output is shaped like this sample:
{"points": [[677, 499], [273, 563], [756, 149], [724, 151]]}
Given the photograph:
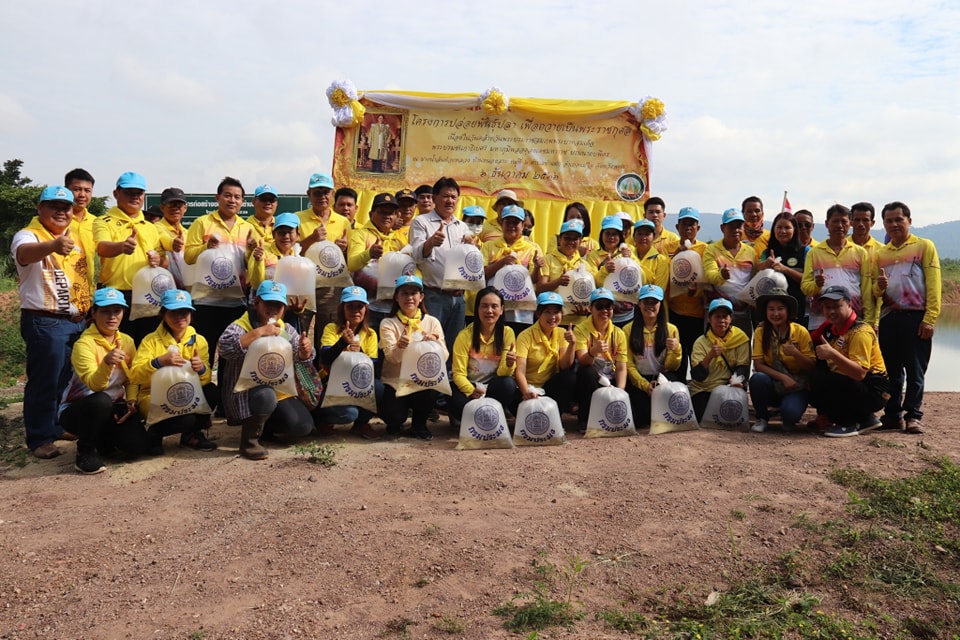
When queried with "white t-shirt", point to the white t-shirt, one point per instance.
{"points": [[43, 287]]}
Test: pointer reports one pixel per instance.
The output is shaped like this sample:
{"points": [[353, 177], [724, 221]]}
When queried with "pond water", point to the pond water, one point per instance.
{"points": [[943, 373]]}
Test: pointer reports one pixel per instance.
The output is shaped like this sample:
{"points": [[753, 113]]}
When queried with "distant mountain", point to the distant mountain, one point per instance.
{"points": [[946, 235]]}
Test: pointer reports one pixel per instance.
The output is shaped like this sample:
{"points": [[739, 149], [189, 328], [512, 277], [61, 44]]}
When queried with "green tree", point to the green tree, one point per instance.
{"points": [[18, 201]]}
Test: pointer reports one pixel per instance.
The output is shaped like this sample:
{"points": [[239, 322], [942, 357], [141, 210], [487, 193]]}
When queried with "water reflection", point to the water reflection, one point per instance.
{"points": [[943, 374]]}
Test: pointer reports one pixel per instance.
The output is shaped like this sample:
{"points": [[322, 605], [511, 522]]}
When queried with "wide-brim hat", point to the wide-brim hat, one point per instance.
{"points": [[782, 296]]}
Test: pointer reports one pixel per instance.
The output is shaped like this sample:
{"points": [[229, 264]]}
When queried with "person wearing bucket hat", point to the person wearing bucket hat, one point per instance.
{"points": [[127, 242], [493, 227], [654, 265], [265, 199], [721, 352], [175, 343], [263, 412], [783, 360], [318, 223], [601, 351], [729, 264], [546, 354], [850, 380], [653, 347], [665, 241], [55, 296], [222, 231], [559, 261], [514, 248], [841, 261], [351, 332], [407, 324], [99, 404]]}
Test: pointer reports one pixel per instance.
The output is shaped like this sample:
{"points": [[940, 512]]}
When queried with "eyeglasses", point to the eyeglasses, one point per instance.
{"points": [[805, 225]]}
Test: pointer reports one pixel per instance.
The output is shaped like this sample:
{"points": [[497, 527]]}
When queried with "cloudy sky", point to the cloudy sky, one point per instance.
{"points": [[834, 101]]}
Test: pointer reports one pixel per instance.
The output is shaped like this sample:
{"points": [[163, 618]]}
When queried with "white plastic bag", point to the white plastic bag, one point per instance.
{"points": [[538, 423], [726, 408], [269, 361], [686, 269], [149, 283], [760, 284], [484, 426], [464, 268], [351, 382], [610, 412], [423, 367], [330, 263], [514, 284], [671, 408], [181, 271], [577, 292], [390, 267], [175, 391], [299, 276], [625, 281], [217, 277]]}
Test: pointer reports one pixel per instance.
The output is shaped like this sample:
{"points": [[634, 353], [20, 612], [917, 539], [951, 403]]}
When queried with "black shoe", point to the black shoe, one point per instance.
{"points": [[154, 444], [394, 430], [868, 424], [198, 441], [420, 432], [89, 463]]}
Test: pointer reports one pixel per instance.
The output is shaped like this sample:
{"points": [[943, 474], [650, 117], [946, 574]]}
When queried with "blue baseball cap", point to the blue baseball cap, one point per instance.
{"points": [[354, 294], [512, 211], [474, 211], [264, 188], [601, 294], [291, 220], [320, 180], [719, 303], [575, 226], [650, 291], [731, 215], [172, 299], [689, 212], [108, 297], [612, 222], [409, 279], [549, 298], [55, 193], [131, 180], [270, 291], [645, 223]]}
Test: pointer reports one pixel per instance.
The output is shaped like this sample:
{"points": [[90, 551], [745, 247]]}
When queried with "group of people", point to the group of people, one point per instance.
{"points": [[89, 366]]}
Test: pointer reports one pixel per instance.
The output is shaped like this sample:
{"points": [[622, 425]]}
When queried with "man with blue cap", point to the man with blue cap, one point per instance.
{"points": [[54, 299], [728, 264], [264, 207]]}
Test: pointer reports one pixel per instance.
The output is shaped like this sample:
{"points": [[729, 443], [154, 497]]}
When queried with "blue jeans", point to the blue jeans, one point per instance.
{"points": [[450, 311], [792, 405], [49, 342], [906, 356]]}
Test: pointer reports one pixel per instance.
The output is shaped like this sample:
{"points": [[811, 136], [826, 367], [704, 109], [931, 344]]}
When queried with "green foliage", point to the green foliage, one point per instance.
{"points": [[316, 453], [18, 202], [449, 624], [399, 627], [13, 352], [538, 612]]}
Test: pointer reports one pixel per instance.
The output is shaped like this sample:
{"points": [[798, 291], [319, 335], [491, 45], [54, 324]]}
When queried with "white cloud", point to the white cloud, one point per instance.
{"points": [[13, 117]]}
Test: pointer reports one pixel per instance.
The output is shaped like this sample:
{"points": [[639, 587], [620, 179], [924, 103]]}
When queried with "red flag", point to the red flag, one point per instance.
{"points": [[786, 204]]}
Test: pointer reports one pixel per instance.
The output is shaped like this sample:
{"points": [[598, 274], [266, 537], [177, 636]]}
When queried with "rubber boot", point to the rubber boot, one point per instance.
{"points": [[250, 446]]}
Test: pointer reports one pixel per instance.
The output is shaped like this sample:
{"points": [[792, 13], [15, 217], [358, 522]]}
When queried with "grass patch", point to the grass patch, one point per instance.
{"points": [[315, 453], [13, 449], [13, 351], [449, 624], [536, 610]]}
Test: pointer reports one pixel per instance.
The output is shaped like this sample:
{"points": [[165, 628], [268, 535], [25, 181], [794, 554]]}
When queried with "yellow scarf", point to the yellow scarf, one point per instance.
{"points": [[412, 324], [551, 347], [75, 288], [244, 322]]}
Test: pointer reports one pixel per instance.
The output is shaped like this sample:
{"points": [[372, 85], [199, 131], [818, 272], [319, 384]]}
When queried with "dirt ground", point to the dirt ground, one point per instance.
{"points": [[403, 538]]}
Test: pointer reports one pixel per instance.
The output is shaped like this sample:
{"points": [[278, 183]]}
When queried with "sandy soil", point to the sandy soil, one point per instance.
{"points": [[405, 533]]}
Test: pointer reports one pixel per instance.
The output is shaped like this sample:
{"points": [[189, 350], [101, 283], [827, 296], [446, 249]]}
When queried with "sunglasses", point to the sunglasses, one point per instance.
{"points": [[603, 306], [805, 225]]}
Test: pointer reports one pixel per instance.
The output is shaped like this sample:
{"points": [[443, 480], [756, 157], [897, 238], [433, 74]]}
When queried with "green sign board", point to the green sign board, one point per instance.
{"points": [[199, 204]]}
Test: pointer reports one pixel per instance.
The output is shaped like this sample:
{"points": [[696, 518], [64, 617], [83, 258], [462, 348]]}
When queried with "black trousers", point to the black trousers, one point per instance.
{"points": [[92, 421]]}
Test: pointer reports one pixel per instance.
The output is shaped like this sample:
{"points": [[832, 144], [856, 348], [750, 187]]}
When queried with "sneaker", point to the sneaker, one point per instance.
{"points": [[914, 427], [840, 431], [198, 441], [759, 426], [365, 431], [870, 423], [89, 463]]}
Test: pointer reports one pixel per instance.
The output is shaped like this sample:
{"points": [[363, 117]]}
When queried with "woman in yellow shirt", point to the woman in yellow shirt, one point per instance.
{"points": [[484, 356], [600, 263], [100, 403], [724, 350], [653, 347], [601, 351], [176, 313], [351, 332], [543, 360], [561, 259]]}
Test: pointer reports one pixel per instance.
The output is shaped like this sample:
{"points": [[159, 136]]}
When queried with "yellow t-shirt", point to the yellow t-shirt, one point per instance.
{"points": [[800, 338], [542, 353], [116, 226], [860, 344], [669, 360], [470, 367], [154, 345], [736, 350]]}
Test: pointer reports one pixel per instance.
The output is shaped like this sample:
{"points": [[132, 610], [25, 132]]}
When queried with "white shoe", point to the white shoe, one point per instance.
{"points": [[759, 426]]}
